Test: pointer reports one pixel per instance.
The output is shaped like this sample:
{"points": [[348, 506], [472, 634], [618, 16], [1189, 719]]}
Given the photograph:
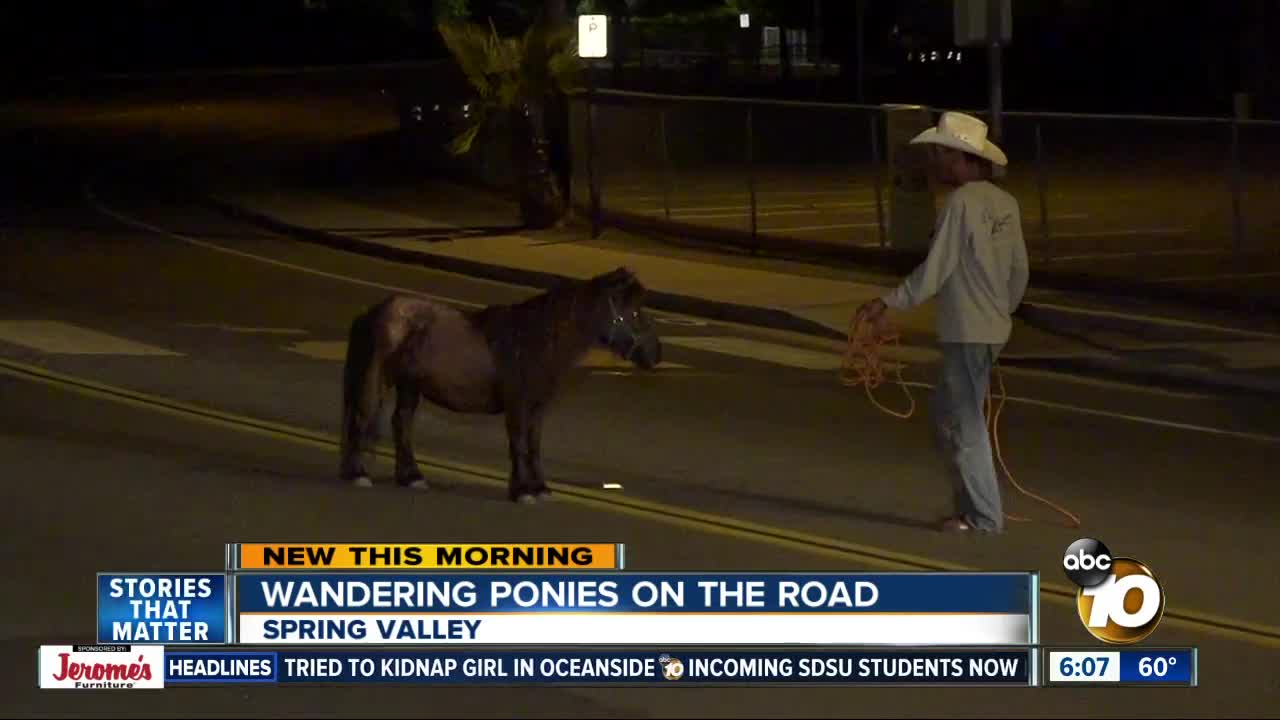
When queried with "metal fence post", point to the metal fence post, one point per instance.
{"points": [[879, 179], [1042, 185], [666, 162], [1237, 212], [593, 185], [751, 179]]}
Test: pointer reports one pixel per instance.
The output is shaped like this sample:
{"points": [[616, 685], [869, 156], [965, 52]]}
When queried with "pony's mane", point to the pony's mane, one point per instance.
{"points": [[557, 322], [581, 294]]}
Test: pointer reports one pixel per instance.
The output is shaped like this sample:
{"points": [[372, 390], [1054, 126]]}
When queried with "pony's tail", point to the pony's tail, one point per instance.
{"points": [[361, 381]]}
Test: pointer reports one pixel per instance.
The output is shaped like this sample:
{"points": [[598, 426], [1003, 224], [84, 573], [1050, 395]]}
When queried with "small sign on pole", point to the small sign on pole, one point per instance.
{"points": [[593, 36], [744, 20]]}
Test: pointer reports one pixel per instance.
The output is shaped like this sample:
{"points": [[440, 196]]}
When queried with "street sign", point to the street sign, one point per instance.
{"points": [[971, 22], [593, 36]]}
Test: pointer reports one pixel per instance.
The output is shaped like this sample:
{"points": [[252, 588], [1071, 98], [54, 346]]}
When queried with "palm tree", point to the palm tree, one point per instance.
{"points": [[514, 78]]}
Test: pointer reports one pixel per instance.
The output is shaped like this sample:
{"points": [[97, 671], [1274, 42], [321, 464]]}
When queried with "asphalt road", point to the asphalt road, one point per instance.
{"points": [[218, 315]]}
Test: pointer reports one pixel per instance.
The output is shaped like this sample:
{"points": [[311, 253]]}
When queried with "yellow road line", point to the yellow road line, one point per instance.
{"points": [[710, 523]]}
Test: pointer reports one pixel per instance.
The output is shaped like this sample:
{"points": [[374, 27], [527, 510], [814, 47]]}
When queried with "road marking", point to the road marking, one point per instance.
{"points": [[814, 228], [334, 350], [1171, 322], [625, 198], [1121, 233], [758, 350], [603, 359], [93, 200], [688, 518], [246, 330], [817, 360], [61, 338], [1135, 254], [357, 281], [1140, 419], [714, 216], [805, 207], [1224, 276]]}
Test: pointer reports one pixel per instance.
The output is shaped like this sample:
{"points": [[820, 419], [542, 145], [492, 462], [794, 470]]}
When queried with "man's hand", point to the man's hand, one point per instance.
{"points": [[872, 311]]}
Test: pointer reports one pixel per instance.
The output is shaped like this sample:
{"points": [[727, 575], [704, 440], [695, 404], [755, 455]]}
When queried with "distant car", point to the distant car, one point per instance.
{"points": [[431, 117]]}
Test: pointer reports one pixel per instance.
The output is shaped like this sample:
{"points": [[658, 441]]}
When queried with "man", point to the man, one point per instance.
{"points": [[977, 267]]}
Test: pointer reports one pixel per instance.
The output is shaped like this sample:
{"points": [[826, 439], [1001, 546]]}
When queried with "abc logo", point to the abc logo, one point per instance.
{"points": [[672, 668], [1119, 600]]}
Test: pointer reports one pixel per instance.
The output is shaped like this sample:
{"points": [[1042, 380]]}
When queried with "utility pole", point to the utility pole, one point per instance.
{"points": [[995, 75], [860, 42], [817, 44], [555, 11]]}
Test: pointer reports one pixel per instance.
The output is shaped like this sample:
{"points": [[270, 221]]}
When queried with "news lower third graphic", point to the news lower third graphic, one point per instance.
{"points": [[1128, 666], [1119, 599], [604, 667], [568, 614], [162, 609]]}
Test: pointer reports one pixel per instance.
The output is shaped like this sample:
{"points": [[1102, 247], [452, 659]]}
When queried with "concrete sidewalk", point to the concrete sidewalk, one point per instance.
{"points": [[1061, 335]]}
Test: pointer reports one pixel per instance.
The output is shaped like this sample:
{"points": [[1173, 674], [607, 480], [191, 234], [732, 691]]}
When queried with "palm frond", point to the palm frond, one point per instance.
{"points": [[477, 52], [462, 143]]}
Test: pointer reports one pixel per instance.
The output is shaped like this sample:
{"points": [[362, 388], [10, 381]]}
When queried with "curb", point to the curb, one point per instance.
{"points": [[671, 302], [1112, 368], [1078, 320]]}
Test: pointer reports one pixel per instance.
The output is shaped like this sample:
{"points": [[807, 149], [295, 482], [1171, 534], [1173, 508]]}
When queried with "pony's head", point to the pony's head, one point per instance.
{"points": [[622, 324]]}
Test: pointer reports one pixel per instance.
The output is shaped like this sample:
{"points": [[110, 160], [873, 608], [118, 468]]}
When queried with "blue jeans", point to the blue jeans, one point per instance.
{"points": [[960, 430]]}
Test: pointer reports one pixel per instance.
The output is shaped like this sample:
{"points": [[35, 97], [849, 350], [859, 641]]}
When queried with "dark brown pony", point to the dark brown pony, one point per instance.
{"points": [[500, 359]]}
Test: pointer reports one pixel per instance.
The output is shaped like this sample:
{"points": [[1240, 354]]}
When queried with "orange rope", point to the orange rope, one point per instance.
{"points": [[863, 366]]}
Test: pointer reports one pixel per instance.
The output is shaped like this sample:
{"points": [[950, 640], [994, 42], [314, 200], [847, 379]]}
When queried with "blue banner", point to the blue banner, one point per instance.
{"points": [[636, 592], [1157, 666], [162, 608], [599, 667]]}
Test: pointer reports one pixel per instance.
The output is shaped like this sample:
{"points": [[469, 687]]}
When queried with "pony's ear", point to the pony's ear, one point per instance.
{"points": [[617, 277], [633, 291]]}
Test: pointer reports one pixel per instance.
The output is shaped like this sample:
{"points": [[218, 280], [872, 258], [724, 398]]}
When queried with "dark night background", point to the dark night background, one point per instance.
{"points": [[1069, 55]]}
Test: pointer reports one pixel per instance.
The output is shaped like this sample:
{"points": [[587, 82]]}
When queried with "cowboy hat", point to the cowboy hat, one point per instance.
{"points": [[963, 132]]}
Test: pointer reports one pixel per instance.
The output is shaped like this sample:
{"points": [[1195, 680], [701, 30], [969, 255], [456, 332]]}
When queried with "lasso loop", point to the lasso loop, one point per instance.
{"points": [[863, 365]]}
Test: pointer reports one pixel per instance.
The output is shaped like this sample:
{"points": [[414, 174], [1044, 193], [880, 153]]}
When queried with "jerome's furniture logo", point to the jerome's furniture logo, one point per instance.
{"points": [[98, 667]]}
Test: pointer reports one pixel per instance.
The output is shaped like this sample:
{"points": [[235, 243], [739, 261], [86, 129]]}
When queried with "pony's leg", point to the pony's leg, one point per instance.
{"points": [[538, 482], [519, 487], [407, 399]]}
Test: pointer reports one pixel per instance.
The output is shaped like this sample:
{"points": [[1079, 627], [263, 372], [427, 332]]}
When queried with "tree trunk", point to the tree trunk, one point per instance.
{"points": [[537, 186]]}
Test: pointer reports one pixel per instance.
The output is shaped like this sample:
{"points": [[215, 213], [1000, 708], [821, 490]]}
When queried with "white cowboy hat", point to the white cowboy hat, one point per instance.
{"points": [[963, 132]]}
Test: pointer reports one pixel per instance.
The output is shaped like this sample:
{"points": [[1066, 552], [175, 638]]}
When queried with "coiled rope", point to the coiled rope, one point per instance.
{"points": [[864, 366]]}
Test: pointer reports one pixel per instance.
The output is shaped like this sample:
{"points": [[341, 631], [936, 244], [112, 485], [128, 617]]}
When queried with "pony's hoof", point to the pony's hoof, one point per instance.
{"points": [[419, 484], [526, 499], [361, 481], [543, 494]]}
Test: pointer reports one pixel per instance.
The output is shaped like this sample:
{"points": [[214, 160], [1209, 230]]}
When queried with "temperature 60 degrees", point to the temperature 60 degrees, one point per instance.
{"points": [[1156, 666]]}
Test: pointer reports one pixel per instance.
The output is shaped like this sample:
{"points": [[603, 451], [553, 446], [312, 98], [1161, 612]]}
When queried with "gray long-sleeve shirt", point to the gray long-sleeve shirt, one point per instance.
{"points": [[977, 267]]}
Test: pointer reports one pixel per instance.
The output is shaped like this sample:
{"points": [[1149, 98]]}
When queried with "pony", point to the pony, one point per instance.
{"points": [[500, 359]]}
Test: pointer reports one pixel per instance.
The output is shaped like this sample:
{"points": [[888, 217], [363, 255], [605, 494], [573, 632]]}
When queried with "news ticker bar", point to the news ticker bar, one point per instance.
{"points": [[250, 557], [152, 666]]}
